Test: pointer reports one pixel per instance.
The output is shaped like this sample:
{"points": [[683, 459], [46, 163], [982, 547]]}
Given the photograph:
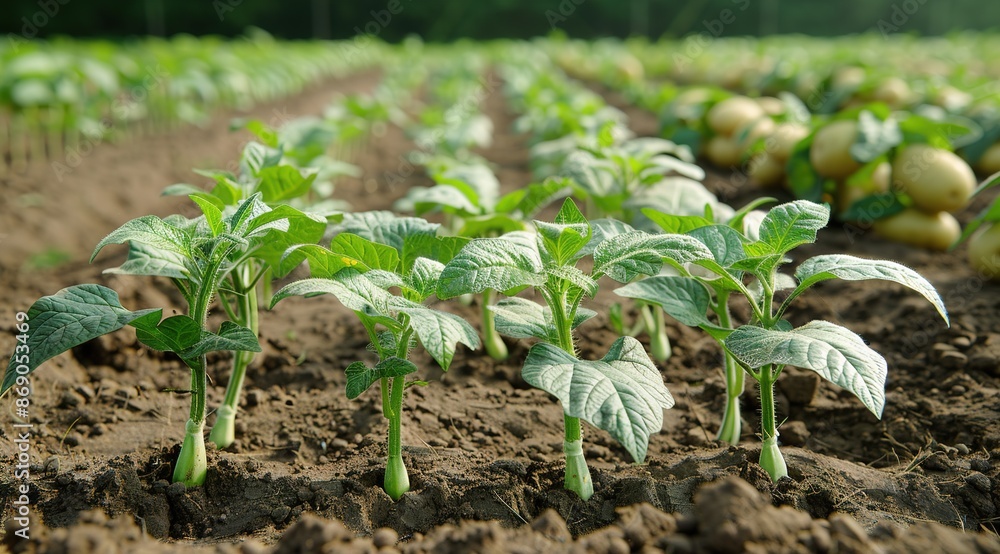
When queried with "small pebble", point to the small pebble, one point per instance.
{"points": [[958, 390], [384, 537], [962, 449], [954, 360], [961, 342], [280, 514], [979, 464], [794, 433]]}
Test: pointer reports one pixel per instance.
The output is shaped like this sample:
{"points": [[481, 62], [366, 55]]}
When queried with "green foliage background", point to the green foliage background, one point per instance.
{"points": [[446, 20]]}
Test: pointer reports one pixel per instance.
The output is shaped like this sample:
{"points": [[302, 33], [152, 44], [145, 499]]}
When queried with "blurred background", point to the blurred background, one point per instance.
{"points": [[446, 20]]}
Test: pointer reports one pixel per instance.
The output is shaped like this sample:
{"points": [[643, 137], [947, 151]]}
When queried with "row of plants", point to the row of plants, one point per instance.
{"points": [[54, 95], [889, 150], [389, 269]]}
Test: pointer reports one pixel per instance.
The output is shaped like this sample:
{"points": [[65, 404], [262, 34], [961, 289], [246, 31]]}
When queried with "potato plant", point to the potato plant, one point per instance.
{"points": [[197, 255], [749, 267], [385, 269], [623, 392], [264, 177]]}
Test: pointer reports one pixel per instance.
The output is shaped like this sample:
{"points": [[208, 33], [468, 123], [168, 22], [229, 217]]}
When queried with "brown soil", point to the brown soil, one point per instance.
{"points": [[483, 448]]}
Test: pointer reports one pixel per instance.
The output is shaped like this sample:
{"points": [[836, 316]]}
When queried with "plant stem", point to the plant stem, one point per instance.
{"points": [[397, 481], [732, 424], [770, 455], [192, 462], [659, 342], [495, 346], [224, 431], [577, 477]]}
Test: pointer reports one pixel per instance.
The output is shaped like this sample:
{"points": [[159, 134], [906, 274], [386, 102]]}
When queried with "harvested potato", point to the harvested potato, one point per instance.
{"points": [[936, 179], [917, 228]]}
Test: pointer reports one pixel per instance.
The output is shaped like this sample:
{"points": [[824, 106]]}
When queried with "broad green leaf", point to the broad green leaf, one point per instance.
{"points": [[520, 318], [563, 239], [256, 157], [213, 215], [875, 137], [231, 337], [247, 219], [439, 197], [680, 224], [423, 277], [639, 253], [322, 262], [181, 189], [173, 334], [149, 230], [351, 288], [622, 393], [602, 230], [532, 199], [439, 332], [835, 353], [360, 377], [439, 249], [69, 318], [385, 228], [850, 268], [725, 243], [480, 179], [490, 225], [282, 183], [303, 228], [683, 298], [793, 224], [145, 260], [363, 253], [500, 264]]}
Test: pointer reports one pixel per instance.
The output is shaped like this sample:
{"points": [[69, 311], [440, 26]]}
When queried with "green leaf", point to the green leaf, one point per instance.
{"points": [[850, 268], [283, 182], [725, 243], [500, 264], [575, 276], [793, 224], [884, 204], [173, 334], [534, 198], [444, 198], [564, 238], [622, 393], [679, 224], [875, 137], [439, 249], [213, 215], [835, 353], [181, 189], [683, 298], [490, 225], [363, 254], [360, 377], [303, 228], [385, 228], [149, 230], [322, 262], [146, 260], [351, 288], [439, 332], [69, 318], [520, 318], [423, 277], [256, 157], [639, 253]]}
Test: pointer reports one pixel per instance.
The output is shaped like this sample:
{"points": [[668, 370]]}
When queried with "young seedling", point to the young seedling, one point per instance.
{"points": [[249, 277], [703, 229], [622, 393], [469, 196], [197, 255], [749, 267], [384, 269]]}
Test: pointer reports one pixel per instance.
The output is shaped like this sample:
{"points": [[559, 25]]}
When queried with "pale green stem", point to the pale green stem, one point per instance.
{"points": [[495, 346], [771, 458]]}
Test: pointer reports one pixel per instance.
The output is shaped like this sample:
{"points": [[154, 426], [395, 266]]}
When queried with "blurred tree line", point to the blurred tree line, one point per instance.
{"points": [[446, 20]]}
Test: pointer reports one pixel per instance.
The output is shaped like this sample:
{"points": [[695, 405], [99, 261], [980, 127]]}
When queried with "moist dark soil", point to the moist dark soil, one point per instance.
{"points": [[482, 447]]}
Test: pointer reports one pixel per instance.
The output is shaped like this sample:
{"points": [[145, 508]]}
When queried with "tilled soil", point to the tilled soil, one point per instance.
{"points": [[482, 447]]}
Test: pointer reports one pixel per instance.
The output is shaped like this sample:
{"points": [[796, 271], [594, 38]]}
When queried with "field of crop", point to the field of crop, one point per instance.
{"points": [[557, 295]]}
